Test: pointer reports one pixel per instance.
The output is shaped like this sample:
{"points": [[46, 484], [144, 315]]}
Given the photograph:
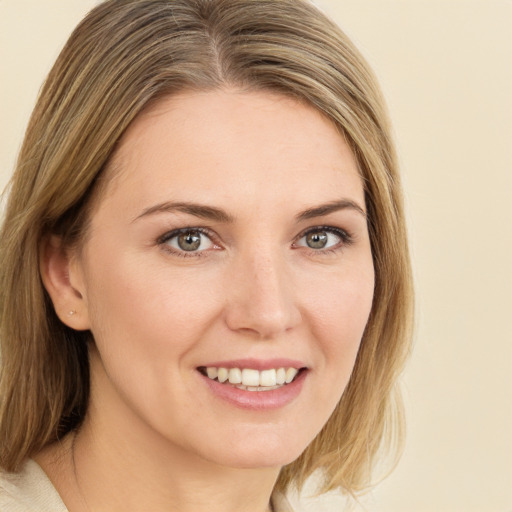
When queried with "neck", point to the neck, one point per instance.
{"points": [[113, 476], [117, 462]]}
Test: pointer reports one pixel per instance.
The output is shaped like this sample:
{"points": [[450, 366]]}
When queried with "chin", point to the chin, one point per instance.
{"points": [[266, 451]]}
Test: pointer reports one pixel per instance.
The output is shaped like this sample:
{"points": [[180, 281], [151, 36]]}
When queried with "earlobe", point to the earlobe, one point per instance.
{"points": [[63, 281]]}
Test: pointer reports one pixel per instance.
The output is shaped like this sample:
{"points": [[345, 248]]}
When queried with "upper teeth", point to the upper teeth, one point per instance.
{"points": [[251, 377]]}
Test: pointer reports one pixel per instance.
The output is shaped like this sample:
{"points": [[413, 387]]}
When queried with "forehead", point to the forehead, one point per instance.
{"points": [[226, 145]]}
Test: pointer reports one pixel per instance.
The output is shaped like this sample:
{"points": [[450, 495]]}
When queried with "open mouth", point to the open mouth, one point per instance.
{"points": [[249, 379]]}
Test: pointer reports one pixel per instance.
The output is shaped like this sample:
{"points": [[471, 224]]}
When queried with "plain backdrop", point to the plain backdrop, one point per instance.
{"points": [[446, 70]]}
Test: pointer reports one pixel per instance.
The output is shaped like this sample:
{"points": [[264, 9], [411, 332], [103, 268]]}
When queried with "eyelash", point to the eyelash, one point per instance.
{"points": [[162, 241], [346, 239]]}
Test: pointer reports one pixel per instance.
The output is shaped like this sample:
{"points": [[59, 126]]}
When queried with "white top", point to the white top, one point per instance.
{"points": [[30, 490]]}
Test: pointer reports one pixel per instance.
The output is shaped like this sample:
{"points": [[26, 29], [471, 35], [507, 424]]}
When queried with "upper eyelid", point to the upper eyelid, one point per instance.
{"points": [[346, 239], [175, 232], [333, 229], [163, 240]]}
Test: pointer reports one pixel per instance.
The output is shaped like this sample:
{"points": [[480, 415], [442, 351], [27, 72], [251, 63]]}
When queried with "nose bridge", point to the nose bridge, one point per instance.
{"points": [[262, 299]]}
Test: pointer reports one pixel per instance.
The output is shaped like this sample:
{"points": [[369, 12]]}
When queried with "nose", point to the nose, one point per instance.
{"points": [[261, 297]]}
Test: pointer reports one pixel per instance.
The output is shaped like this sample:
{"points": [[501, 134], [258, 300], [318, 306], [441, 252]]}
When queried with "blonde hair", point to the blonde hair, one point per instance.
{"points": [[123, 56]]}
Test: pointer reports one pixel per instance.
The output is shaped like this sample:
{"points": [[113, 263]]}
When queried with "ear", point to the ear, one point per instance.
{"points": [[62, 277]]}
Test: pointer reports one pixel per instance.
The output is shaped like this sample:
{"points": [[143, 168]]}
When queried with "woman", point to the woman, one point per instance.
{"points": [[206, 291]]}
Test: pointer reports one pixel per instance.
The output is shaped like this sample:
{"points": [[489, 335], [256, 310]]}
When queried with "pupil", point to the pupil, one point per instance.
{"points": [[317, 240], [189, 241]]}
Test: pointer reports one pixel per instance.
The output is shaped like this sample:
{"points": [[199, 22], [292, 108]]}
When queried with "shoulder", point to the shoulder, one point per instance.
{"points": [[29, 490]]}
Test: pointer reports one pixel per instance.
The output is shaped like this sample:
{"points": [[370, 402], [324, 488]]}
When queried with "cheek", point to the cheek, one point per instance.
{"points": [[342, 302], [148, 309], [147, 321], [339, 313]]}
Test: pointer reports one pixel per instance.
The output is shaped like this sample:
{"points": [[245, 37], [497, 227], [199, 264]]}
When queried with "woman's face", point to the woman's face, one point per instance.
{"points": [[230, 242]]}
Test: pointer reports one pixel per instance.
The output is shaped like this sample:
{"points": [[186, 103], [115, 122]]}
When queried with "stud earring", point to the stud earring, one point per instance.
{"points": [[72, 312]]}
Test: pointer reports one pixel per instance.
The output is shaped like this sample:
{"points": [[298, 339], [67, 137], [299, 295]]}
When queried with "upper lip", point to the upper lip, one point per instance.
{"points": [[256, 364]]}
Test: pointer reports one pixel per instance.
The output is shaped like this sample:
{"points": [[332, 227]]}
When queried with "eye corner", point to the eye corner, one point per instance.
{"points": [[171, 242], [324, 243]]}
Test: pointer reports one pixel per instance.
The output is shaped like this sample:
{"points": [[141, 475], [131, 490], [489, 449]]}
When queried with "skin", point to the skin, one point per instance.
{"points": [[155, 436]]}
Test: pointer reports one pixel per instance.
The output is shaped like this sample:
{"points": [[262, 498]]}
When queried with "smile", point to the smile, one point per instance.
{"points": [[249, 379]]}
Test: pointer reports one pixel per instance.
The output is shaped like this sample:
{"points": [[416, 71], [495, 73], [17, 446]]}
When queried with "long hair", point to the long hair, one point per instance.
{"points": [[125, 55]]}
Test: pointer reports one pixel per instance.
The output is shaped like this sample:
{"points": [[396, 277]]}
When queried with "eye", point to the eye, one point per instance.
{"points": [[187, 240], [321, 238]]}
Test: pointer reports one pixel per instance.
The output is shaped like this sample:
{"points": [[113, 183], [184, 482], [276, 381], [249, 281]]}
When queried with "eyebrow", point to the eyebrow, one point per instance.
{"points": [[219, 215], [331, 207], [195, 209]]}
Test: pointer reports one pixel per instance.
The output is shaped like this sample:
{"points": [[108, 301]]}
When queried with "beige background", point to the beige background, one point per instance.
{"points": [[446, 69]]}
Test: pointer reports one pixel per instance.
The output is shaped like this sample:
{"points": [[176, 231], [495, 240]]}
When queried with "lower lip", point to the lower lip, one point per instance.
{"points": [[257, 400]]}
